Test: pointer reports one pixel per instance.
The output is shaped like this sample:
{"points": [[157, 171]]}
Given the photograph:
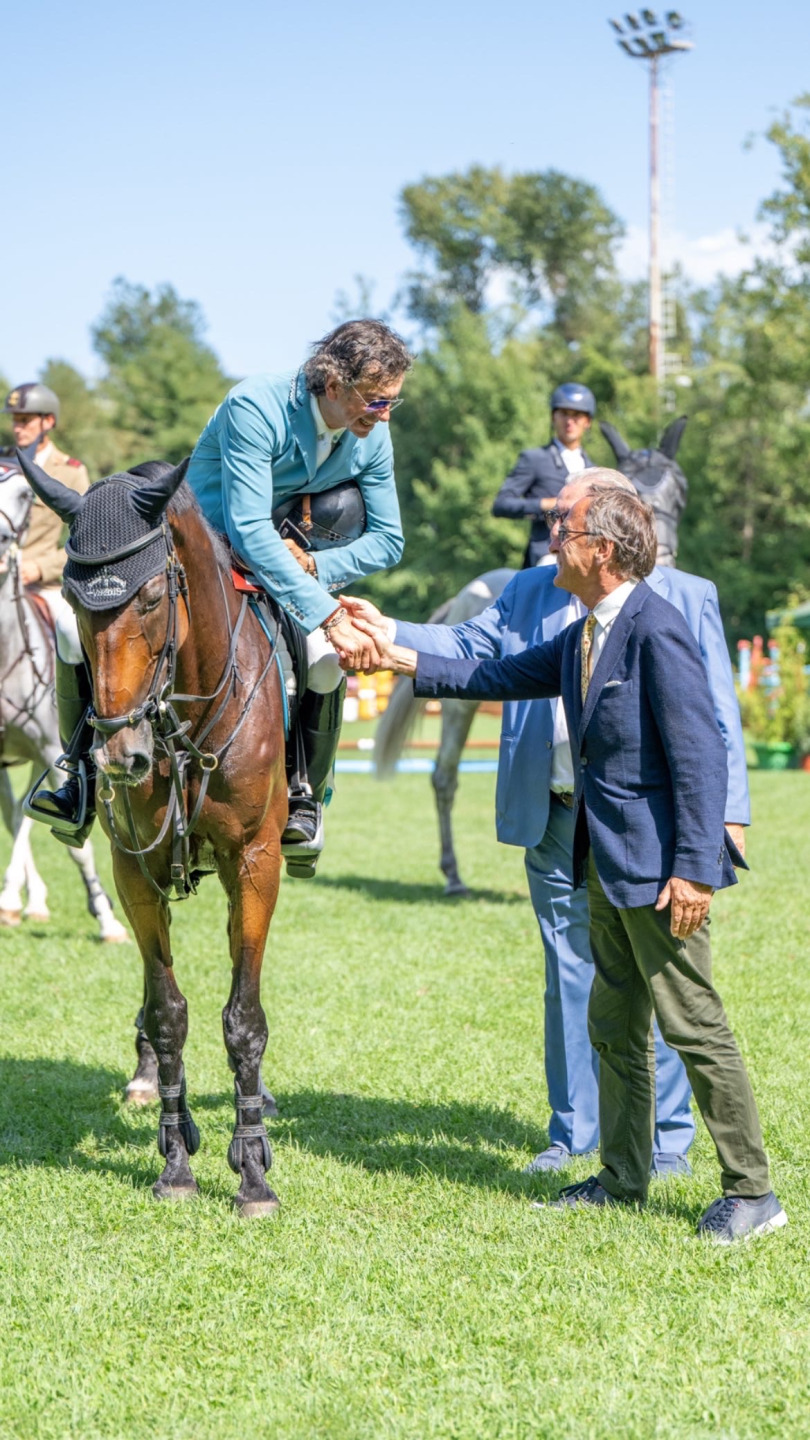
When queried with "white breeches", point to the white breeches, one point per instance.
{"points": [[325, 673]]}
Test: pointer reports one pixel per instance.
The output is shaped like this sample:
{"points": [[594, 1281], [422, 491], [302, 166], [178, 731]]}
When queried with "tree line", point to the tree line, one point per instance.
{"points": [[515, 288]]}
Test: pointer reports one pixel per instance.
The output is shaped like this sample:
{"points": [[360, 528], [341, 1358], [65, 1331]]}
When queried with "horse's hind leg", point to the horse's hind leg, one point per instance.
{"points": [[143, 1087], [252, 893], [165, 1018], [457, 718], [98, 901], [21, 871]]}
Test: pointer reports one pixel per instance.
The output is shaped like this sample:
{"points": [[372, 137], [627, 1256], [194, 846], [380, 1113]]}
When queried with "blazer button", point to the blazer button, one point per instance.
{"points": [[548, 744], [584, 760]]}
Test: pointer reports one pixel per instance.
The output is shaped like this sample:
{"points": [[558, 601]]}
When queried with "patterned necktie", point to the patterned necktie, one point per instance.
{"points": [[585, 652]]}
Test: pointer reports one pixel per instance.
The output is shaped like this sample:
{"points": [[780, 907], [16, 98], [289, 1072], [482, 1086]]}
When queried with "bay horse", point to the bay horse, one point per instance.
{"points": [[190, 759], [29, 732]]}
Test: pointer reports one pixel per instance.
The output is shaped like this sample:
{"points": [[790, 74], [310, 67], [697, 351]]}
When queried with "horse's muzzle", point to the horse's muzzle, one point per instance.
{"points": [[126, 757]]}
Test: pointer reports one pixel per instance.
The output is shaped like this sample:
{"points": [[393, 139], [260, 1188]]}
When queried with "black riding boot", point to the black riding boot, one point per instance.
{"points": [[318, 726], [71, 808]]}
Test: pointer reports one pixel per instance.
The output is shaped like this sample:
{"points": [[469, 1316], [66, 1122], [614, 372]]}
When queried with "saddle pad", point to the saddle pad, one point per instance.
{"points": [[244, 584]]}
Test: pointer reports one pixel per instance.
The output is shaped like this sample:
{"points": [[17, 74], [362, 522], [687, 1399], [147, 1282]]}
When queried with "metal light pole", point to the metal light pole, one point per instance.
{"points": [[644, 37]]}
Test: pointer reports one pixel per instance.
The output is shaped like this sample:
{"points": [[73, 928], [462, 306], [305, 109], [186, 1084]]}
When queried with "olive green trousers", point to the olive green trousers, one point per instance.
{"points": [[641, 968]]}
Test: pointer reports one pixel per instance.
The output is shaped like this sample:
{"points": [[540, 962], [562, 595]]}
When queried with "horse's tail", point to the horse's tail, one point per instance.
{"points": [[395, 726], [401, 714]]}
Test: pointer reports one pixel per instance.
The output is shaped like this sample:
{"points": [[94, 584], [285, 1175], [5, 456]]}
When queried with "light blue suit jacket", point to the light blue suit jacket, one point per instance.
{"points": [[258, 448], [531, 610]]}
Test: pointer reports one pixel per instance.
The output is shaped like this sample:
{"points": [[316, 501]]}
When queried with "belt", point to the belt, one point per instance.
{"points": [[564, 797]]}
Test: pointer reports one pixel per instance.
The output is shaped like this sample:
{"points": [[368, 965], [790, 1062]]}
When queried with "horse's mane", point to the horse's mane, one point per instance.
{"points": [[183, 502]]}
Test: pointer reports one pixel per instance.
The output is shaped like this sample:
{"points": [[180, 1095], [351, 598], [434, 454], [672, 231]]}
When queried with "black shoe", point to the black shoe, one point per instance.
{"points": [[64, 804], [587, 1192], [303, 824]]}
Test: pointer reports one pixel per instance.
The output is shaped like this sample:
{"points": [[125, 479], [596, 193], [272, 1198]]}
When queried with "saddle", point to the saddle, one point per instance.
{"points": [[281, 631]]}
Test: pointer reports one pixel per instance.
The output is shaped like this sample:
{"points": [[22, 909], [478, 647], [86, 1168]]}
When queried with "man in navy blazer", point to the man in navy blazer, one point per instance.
{"points": [[650, 784], [534, 809]]}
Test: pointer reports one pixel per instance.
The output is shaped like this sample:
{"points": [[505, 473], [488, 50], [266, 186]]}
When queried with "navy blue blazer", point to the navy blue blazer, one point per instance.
{"points": [[650, 764]]}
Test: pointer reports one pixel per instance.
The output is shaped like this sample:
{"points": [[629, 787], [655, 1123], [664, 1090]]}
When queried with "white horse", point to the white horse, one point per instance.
{"points": [[457, 716], [29, 731]]}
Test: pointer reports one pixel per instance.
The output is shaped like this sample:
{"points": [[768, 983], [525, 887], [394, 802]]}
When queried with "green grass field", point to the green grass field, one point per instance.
{"points": [[406, 1289]]}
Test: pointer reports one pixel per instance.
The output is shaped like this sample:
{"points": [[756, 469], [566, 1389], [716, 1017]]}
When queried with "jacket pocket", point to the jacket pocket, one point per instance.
{"points": [[648, 841]]}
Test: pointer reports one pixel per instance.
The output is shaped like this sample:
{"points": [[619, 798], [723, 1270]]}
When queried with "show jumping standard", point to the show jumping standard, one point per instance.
{"points": [[29, 733], [189, 717]]}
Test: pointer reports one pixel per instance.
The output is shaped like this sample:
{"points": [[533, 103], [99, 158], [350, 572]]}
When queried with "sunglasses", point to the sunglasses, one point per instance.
{"points": [[375, 406]]}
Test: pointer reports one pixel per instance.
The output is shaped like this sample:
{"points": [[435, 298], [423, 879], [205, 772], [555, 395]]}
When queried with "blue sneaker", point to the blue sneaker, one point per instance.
{"points": [[735, 1217], [556, 1157], [588, 1192], [669, 1162]]}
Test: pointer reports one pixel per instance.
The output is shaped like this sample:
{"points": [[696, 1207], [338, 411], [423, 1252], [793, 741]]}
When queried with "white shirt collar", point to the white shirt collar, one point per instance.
{"points": [[321, 428], [607, 610]]}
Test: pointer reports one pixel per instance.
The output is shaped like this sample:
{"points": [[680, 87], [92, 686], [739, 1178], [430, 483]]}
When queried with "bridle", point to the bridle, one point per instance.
{"points": [[11, 554], [171, 734]]}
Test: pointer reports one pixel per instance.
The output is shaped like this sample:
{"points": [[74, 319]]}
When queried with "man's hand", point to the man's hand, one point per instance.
{"points": [[357, 650], [305, 560], [690, 905], [363, 610], [737, 833], [30, 573]]}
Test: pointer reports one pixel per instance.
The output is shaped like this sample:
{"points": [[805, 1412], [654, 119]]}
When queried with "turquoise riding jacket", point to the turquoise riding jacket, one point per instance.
{"points": [[257, 449]]}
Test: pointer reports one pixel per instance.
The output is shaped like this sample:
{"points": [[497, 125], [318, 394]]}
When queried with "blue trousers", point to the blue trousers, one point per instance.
{"points": [[572, 1065]]}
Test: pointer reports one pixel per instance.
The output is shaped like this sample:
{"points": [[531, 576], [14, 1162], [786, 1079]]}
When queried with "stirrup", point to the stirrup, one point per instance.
{"points": [[57, 823], [302, 858]]}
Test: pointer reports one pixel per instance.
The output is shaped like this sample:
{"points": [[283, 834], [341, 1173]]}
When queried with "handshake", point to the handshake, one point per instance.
{"points": [[363, 640]]}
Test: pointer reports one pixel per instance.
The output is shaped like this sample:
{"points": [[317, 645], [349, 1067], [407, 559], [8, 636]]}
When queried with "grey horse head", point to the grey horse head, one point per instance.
{"points": [[659, 480]]}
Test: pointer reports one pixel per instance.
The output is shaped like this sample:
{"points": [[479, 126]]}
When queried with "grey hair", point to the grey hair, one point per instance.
{"points": [[358, 349], [629, 522], [599, 477]]}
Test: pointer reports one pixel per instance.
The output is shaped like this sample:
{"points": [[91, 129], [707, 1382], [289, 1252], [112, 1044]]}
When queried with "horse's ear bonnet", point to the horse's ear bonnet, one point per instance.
{"points": [[119, 518]]}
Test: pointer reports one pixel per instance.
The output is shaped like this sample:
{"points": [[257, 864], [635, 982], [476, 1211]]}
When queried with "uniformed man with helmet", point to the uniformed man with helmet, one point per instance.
{"points": [[34, 410], [531, 489]]}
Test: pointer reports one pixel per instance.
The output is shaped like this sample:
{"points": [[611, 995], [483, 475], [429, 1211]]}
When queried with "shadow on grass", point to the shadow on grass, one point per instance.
{"points": [[467, 1144], [51, 1109], [414, 894]]}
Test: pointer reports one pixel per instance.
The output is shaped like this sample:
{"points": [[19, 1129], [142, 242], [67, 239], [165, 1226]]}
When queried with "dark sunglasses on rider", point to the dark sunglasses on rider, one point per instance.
{"points": [[375, 405]]}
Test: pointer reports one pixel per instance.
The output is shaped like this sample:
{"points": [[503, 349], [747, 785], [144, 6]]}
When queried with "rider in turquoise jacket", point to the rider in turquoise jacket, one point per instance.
{"points": [[306, 432], [258, 448]]}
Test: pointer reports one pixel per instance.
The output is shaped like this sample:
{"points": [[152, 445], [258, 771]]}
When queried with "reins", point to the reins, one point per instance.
{"points": [[171, 734]]}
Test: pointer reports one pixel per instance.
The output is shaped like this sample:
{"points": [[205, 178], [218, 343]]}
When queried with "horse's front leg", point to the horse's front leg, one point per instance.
{"points": [[165, 1021], [252, 888]]}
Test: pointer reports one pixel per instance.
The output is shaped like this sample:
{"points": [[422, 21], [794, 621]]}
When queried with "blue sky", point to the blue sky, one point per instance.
{"points": [[251, 154]]}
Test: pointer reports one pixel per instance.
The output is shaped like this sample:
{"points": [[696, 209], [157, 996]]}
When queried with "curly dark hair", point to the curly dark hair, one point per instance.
{"points": [[358, 349]]}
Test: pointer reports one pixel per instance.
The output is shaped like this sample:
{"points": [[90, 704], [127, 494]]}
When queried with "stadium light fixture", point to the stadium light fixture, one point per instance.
{"points": [[645, 37]]}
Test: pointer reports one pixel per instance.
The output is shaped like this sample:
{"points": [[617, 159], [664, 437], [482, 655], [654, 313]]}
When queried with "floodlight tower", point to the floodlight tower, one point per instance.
{"points": [[645, 37]]}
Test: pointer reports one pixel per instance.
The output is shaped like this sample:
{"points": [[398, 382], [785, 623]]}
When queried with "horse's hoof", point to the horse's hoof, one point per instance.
{"points": [[175, 1192], [457, 890], [115, 936], [257, 1209], [270, 1110], [141, 1092], [10, 917]]}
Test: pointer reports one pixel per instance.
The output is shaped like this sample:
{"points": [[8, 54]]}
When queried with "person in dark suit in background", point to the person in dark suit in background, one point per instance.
{"points": [[650, 787], [531, 489]]}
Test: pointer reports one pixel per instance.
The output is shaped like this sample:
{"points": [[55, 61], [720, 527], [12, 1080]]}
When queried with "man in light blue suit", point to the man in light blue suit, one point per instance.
{"points": [[534, 810]]}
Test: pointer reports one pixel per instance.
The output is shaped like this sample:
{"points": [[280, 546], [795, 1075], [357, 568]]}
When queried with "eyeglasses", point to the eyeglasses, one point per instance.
{"points": [[564, 534], [554, 517], [375, 406]]}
